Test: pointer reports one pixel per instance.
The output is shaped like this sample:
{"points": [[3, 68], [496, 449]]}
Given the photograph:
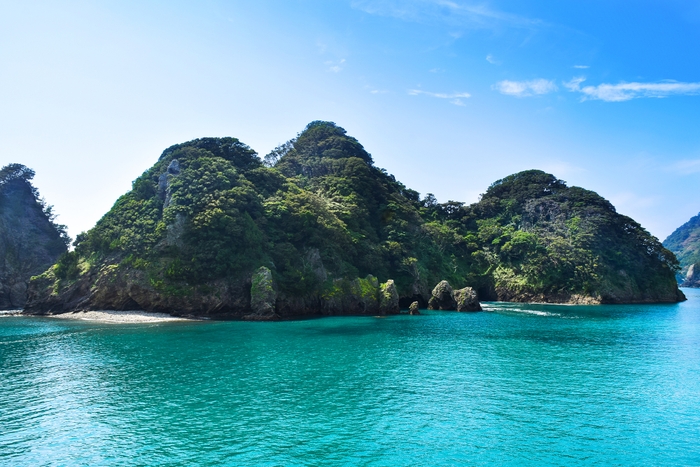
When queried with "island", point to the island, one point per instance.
{"points": [[315, 228]]}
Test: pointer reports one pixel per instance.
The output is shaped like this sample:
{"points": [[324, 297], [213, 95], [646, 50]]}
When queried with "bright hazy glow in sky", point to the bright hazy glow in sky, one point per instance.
{"points": [[447, 95]]}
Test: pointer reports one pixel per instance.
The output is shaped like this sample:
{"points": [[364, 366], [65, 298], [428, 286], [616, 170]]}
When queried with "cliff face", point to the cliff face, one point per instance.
{"points": [[685, 243], [29, 241], [318, 229]]}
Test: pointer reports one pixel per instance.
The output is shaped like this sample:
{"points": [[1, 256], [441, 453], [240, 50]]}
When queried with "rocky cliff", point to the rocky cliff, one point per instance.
{"points": [[29, 240], [685, 243], [317, 229]]}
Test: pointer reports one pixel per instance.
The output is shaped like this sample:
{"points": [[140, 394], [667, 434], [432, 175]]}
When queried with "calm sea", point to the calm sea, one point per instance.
{"points": [[518, 385]]}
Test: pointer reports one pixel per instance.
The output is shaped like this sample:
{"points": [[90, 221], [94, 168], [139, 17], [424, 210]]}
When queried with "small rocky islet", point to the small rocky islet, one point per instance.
{"points": [[315, 228]]}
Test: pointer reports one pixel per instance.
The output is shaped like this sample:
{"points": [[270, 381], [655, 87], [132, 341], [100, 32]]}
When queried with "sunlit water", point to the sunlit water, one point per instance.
{"points": [[518, 385]]}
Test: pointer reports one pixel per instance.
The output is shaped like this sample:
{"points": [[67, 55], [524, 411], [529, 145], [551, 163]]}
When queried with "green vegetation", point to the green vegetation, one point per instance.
{"points": [[319, 215], [30, 239], [21, 176], [685, 243], [541, 238]]}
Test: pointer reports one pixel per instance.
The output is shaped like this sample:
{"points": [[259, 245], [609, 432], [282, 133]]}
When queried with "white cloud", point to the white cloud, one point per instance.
{"points": [[335, 66], [632, 201], [455, 98], [626, 91], [535, 87], [581, 67], [686, 167], [490, 58], [463, 14], [575, 83], [436, 70]]}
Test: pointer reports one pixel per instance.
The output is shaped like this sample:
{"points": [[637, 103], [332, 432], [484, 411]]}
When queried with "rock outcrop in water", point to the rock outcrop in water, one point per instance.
{"points": [[443, 297], [692, 276], [30, 241], [317, 229], [685, 243], [467, 300]]}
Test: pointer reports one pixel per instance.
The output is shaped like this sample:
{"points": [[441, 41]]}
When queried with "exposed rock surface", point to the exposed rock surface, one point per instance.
{"points": [[692, 276], [388, 298], [413, 309], [29, 241], [467, 300], [443, 297], [253, 299]]}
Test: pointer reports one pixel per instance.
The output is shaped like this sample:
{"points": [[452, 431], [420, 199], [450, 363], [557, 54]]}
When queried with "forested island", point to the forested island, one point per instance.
{"points": [[315, 228], [685, 243], [30, 240]]}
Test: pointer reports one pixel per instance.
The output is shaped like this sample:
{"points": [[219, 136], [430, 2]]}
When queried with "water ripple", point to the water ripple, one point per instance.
{"points": [[520, 385]]}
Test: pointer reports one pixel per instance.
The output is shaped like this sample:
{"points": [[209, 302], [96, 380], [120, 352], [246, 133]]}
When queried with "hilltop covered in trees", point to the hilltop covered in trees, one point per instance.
{"points": [[685, 243], [322, 228], [30, 239]]}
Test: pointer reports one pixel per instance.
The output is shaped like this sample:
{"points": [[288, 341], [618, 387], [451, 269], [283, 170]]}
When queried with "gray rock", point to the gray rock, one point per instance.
{"points": [[162, 184], [173, 170], [388, 298], [692, 277], [413, 309], [174, 167], [443, 297], [175, 230], [467, 300]]}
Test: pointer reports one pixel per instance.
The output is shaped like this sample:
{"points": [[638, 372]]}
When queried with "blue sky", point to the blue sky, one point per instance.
{"points": [[448, 95]]}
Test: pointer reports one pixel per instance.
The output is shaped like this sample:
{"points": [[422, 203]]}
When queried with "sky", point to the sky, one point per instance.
{"points": [[447, 95]]}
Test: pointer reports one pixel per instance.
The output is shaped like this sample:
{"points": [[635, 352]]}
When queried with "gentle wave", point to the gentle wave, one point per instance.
{"points": [[619, 386]]}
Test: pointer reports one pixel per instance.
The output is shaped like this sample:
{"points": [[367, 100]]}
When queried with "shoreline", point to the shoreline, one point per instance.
{"points": [[119, 317]]}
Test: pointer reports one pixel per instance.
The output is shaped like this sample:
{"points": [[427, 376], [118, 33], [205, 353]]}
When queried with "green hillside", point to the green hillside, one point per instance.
{"points": [[316, 228], [30, 240], [685, 243]]}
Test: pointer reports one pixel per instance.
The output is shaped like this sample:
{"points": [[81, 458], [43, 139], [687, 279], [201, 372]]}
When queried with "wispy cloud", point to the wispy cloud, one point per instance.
{"points": [[627, 91], [455, 98], [464, 14], [436, 70], [335, 66], [632, 201], [535, 87], [686, 166], [581, 67], [492, 60]]}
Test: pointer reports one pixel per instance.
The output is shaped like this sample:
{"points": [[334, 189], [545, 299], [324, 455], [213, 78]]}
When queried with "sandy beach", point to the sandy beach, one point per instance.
{"points": [[111, 316]]}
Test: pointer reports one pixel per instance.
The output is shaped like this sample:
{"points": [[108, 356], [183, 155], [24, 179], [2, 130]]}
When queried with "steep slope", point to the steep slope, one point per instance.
{"points": [[30, 241], [543, 241], [318, 229], [685, 243]]}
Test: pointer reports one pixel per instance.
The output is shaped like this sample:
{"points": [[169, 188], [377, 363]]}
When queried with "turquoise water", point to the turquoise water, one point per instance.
{"points": [[520, 385]]}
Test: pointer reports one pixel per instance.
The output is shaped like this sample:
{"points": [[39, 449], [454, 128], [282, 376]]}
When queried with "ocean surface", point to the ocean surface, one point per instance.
{"points": [[518, 385]]}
